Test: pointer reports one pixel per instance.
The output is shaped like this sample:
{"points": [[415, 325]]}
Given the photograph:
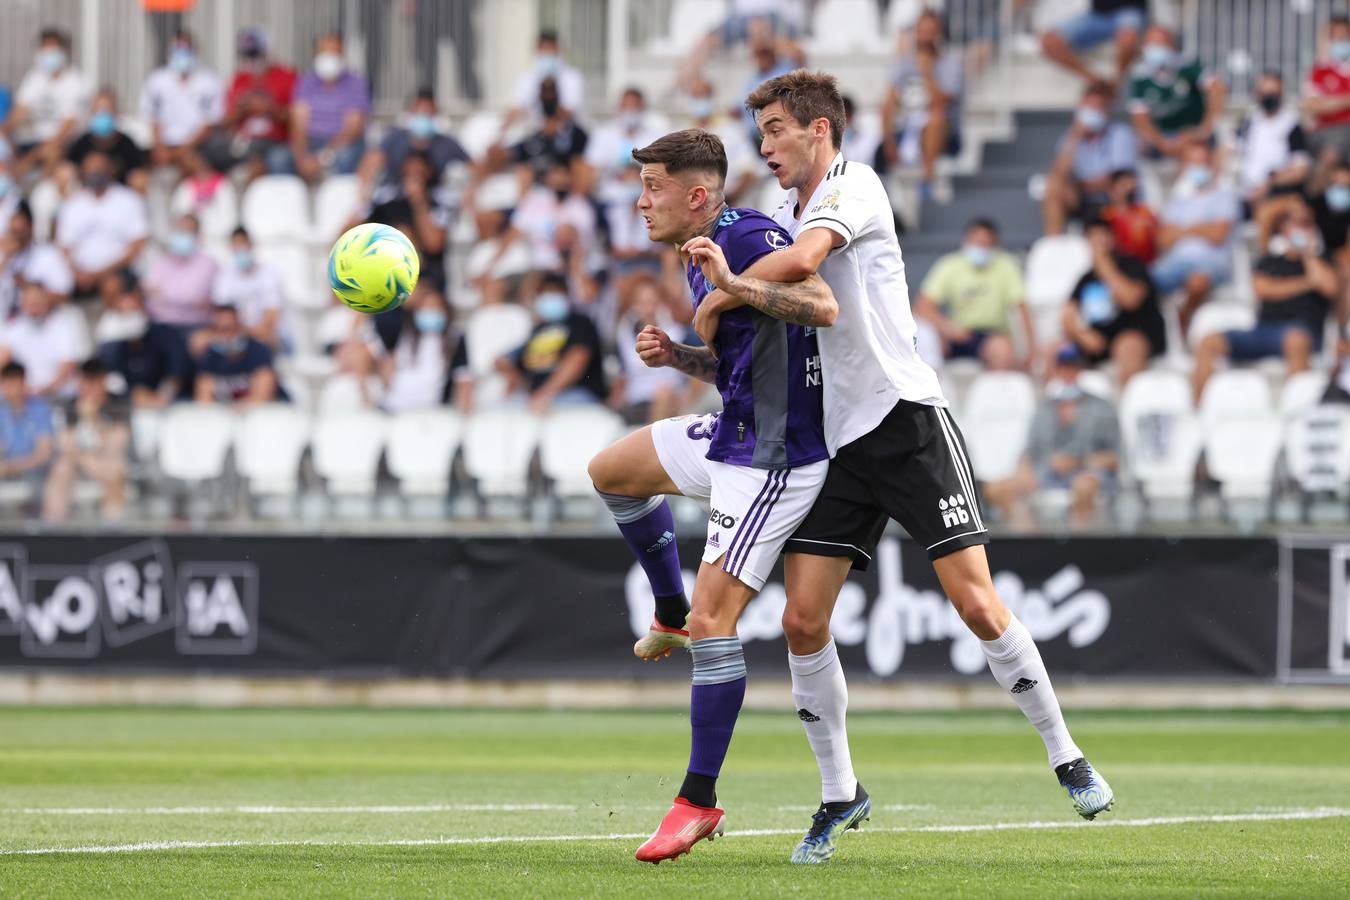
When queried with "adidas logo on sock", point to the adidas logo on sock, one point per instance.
{"points": [[1023, 685], [807, 716], [663, 543]]}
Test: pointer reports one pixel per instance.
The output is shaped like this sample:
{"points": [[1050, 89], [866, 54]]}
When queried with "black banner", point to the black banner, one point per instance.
{"points": [[571, 607]]}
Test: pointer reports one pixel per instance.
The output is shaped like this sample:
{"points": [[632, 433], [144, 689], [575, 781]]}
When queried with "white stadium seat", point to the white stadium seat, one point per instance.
{"points": [[146, 425], [421, 450], [346, 451], [269, 442], [689, 21], [1242, 434], [498, 445], [1161, 433], [1234, 392], [44, 201], [846, 26], [493, 331], [1054, 265], [1317, 449], [194, 440], [1302, 392], [217, 219], [1215, 318], [299, 283], [336, 202], [570, 437], [277, 207], [996, 422]]}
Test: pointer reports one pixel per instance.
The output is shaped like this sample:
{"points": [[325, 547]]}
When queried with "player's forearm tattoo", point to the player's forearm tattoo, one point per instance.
{"points": [[696, 362], [801, 302]]}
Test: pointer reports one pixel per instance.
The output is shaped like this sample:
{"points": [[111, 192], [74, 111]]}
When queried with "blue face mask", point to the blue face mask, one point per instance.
{"points": [[1340, 51], [552, 307], [6, 184], [1338, 197], [230, 346], [102, 123], [977, 255], [421, 125], [1197, 175], [51, 59], [1091, 118], [429, 321], [701, 107], [243, 260], [1158, 56], [548, 63], [182, 59], [181, 243]]}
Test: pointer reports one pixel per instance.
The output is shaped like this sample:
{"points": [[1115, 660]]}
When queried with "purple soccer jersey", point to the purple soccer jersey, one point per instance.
{"points": [[768, 371]]}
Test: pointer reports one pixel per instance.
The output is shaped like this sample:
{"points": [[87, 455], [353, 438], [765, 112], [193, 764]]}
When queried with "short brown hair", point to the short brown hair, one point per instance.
{"points": [[806, 96], [690, 150]]}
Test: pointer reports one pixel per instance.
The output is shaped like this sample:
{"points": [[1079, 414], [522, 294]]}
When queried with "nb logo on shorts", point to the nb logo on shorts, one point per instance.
{"points": [[953, 511]]}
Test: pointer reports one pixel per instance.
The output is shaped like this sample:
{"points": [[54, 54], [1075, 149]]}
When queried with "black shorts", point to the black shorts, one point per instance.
{"points": [[913, 468]]}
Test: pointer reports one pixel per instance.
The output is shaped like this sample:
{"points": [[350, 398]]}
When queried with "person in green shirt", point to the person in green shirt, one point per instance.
{"points": [[1172, 100], [969, 297]]}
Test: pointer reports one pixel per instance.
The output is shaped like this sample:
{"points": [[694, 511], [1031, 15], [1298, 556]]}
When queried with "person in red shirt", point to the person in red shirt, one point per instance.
{"points": [[1327, 92], [1135, 225], [258, 107]]}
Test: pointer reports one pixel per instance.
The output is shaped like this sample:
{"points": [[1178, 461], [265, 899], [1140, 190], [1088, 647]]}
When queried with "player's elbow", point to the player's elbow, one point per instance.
{"points": [[826, 313]]}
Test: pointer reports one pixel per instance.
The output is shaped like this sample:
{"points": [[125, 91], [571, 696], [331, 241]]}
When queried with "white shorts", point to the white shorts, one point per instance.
{"points": [[754, 511]]}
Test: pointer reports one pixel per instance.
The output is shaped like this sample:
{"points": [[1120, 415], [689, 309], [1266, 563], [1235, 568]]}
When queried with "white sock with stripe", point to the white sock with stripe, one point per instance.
{"points": [[821, 695], [1017, 666]]}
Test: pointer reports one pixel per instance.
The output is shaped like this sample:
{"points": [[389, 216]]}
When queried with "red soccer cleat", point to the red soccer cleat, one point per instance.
{"points": [[683, 827], [659, 641]]}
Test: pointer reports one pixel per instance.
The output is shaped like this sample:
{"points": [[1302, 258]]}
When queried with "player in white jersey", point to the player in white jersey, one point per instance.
{"points": [[896, 451]]}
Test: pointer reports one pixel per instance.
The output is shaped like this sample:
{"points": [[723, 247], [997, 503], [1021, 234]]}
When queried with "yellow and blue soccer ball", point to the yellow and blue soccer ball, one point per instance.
{"points": [[373, 268]]}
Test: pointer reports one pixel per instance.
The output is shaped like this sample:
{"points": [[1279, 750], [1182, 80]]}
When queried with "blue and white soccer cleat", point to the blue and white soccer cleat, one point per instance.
{"points": [[1087, 788], [829, 822]]}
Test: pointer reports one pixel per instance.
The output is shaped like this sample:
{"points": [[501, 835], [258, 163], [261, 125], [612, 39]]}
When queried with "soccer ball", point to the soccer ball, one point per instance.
{"points": [[373, 268]]}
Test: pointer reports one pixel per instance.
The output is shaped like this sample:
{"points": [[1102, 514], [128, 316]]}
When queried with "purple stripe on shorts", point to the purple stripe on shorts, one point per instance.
{"points": [[780, 484], [735, 538]]}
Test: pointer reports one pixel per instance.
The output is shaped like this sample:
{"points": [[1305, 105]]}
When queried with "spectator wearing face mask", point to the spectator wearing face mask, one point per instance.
{"points": [[178, 286], [1326, 93], [50, 342], [969, 297], [570, 84], [1133, 221], [253, 288], [49, 105], [103, 228], [429, 362], [743, 162], [562, 362], [1094, 147], [151, 359], [183, 101], [921, 114], [26, 433], [24, 260], [423, 211], [501, 258], [609, 152], [1173, 101], [1275, 161], [257, 109], [1329, 198], [555, 220], [329, 114], [234, 369], [381, 170], [559, 139], [1294, 288], [103, 136], [1197, 233], [93, 445]]}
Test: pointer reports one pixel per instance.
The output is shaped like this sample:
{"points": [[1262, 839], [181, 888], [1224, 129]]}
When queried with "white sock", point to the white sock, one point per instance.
{"points": [[821, 696], [1017, 666]]}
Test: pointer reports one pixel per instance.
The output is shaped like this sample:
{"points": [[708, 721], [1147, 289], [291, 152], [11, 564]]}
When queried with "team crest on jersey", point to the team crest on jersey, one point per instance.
{"points": [[775, 239], [829, 201]]}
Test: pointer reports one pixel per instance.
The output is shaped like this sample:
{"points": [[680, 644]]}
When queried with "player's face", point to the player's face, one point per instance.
{"points": [[785, 145], [664, 204]]}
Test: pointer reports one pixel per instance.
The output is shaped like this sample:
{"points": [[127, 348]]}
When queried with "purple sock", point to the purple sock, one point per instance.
{"points": [[648, 526], [714, 704]]}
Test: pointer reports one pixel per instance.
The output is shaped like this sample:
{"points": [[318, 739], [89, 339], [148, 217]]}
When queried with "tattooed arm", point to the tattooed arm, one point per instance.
{"points": [[656, 349], [803, 298]]}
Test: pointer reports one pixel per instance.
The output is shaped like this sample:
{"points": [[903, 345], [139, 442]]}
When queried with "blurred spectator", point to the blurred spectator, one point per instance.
{"points": [[129, 160], [422, 210], [1113, 312], [773, 22], [430, 359], [328, 115], [860, 143], [381, 170], [206, 194], [1329, 197], [6, 105], [1294, 286], [183, 101], [641, 393], [1093, 148], [257, 110], [743, 165], [48, 342], [501, 256], [569, 85], [558, 140], [1275, 160], [1197, 233], [1326, 95], [970, 295], [178, 285], [102, 228], [234, 369], [921, 115], [26, 261], [48, 107], [609, 152], [555, 219], [1074, 446], [769, 60], [562, 363], [11, 194], [94, 446], [252, 287], [1119, 21], [1173, 100], [151, 358], [26, 437], [1134, 222]]}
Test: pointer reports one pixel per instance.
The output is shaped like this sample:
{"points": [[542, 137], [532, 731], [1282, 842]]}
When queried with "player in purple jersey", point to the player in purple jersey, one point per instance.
{"points": [[759, 463]]}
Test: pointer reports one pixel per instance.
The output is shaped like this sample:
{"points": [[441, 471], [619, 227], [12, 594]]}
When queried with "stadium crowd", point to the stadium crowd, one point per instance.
{"points": [[128, 282]]}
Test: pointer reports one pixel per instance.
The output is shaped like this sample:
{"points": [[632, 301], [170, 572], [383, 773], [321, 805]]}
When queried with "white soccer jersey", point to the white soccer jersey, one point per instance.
{"points": [[869, 355]]}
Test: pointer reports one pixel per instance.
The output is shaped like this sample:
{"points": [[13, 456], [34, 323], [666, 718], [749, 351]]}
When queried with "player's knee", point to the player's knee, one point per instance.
{"points": [[805, 625], [982, 611], [604, 474]]}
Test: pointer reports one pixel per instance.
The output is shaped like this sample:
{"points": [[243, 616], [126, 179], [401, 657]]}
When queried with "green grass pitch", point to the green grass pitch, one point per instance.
{"points": [[370, 803]]}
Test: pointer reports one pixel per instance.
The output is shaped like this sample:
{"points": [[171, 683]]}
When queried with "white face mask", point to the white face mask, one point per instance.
{"points": [[328, 66]]}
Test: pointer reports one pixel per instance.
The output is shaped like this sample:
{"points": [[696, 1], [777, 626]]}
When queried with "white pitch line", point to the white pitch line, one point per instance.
{"points": [[1325, 812], [281, 810]]}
